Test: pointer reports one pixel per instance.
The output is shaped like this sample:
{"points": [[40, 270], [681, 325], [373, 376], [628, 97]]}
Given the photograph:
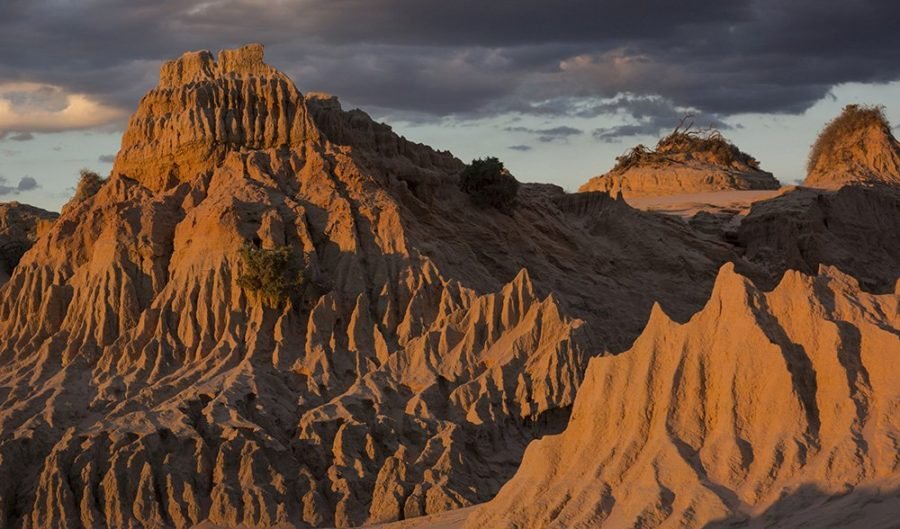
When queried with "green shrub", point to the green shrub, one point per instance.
{"points": [[273, 274], [488, 183], [853, 118]]}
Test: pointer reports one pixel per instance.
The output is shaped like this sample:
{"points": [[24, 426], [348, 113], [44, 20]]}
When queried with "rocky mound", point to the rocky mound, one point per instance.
{"points": [[20, 226], [776, 406], [685, 161], [856, 229], [203, 109], [142, 386], [856, 147]]}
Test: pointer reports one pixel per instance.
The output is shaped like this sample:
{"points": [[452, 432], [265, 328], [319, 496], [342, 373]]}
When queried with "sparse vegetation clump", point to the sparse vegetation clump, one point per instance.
{"points": [[272, 274], [685, 141], [489, 184], [89, 184], [852, 120]]}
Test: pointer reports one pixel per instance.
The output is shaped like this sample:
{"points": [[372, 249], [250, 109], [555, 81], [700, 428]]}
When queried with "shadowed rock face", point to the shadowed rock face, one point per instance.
{"points": [[20, 226], [140, 386], [759, 395], [855, 228]]}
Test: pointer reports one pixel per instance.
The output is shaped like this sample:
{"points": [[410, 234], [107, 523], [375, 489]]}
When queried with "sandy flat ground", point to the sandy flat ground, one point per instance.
{"points": [[688, 204]]}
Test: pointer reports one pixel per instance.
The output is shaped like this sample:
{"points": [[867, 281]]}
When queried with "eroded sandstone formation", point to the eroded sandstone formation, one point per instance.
{"points": [[765, 409], [20, 226], [685, 161], [857, 147], [141, 386], [855, 228]]}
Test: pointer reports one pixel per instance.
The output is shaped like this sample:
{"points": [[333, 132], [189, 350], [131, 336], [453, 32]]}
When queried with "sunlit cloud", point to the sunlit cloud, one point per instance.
{"points": [[37, 107]]}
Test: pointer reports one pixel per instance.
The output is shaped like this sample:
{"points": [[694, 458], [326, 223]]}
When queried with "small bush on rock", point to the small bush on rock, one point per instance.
{"points": [[489, 184], [89, 184], [273, 274]]}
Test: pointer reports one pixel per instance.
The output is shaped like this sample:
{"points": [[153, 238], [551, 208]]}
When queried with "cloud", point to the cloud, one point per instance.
{"points": [[520, 148], [34, 107], [549, 135], [647, 116], [462, 58], [20, 136], [106, 158], [26, 183]]}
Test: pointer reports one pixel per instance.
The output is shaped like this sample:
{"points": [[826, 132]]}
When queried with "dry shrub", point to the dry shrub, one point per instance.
{"points": [[707, 144], [852, 120]]}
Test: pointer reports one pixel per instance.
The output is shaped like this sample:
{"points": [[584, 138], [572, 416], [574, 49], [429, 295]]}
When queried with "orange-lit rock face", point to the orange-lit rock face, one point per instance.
{"points": [[762, 402], [868, 154], [203, 109], [142, 386]]}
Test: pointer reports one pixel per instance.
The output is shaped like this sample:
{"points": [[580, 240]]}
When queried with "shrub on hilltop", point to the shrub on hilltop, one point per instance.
{"points": [[489, 184], [852, 120], [89, 184], [685, 141]]}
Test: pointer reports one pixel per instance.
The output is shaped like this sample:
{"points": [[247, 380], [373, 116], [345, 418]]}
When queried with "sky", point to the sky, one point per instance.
{"points": [[556, 89]]}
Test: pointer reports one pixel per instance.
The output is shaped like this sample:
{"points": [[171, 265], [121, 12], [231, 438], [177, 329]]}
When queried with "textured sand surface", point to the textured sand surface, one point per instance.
{"points": [[687, 205]]}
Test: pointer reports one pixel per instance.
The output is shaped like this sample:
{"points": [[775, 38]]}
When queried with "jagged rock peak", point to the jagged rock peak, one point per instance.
{"points": [[202, 109], [196, 66]]}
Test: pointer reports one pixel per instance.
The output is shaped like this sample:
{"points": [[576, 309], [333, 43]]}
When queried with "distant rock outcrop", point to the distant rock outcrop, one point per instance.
{"points": [[685, 161], [141, 386], [20, 226], [779, 402], [855, 228], [856, 147]]}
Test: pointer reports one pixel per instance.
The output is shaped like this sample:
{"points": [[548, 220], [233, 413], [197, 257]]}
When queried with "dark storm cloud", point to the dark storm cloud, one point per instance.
{"points": [[469, 58], [26, 183]]}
